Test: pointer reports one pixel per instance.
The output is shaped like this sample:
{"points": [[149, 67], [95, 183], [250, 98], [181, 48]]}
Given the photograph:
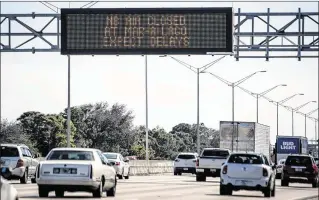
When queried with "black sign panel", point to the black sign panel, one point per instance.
{"points": [[128, 31]]}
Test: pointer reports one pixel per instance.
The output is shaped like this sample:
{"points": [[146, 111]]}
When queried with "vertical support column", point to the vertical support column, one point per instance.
{"points": [[238, 37], [305, 125], [197, 127], [69, 103], [277, 119], [257, 97], [9, 29], [252, 42], [146, 116], [299, 31], [233, 115], [292, 124], [268, 22]]}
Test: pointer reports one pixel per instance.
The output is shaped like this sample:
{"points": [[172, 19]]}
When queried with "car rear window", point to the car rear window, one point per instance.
{"points": [[9, 152], [111, 156], [245, 159], [298, 161], [71, 155], [216, 153], [186, 156]]}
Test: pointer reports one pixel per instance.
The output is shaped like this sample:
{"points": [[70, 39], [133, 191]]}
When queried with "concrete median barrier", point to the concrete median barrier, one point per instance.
{"points": [[140, 167]]}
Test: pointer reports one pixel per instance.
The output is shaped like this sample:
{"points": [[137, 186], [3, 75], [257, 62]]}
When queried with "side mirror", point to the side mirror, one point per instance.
{"points": [[126, 160]]}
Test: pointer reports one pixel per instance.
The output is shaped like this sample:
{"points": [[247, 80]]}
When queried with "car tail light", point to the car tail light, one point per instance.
{"points": [[117, 163], [225, 168], [197, 163], [315, 168], [38, 171], [91, 172], [20, 163], [265, 172]]}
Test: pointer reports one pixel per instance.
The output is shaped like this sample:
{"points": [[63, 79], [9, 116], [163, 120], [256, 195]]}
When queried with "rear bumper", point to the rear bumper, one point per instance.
{"points": [[239, 184], [208, 172], [12, 173], [293, 178], [68, 188], [69, 182], [185, 169]]}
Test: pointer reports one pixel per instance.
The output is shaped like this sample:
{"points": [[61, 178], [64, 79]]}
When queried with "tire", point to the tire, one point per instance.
{"points": [[24, 179], [59, 193], [284, 183], [43, 192], [121, 176], [175, 173], [128, 174], [99, 191], [112, 191], [315, 183], [33, 180], [278, 176], [179, 173], [273, 192], [201, 178], [267, 191], [222, 190]]}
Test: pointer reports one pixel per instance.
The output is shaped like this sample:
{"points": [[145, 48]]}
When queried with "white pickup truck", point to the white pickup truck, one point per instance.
{"points": [[210, 162]]}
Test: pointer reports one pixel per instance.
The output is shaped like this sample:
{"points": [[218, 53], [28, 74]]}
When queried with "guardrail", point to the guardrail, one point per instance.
{"points": [[140, 167]]}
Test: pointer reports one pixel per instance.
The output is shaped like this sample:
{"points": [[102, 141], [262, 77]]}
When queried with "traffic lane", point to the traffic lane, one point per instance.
{"points": [[174, 187]]}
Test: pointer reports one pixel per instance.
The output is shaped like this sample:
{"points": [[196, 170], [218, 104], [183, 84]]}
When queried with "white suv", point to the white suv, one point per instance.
{"points": [[17, 162], [185, 163], [248, 171]]}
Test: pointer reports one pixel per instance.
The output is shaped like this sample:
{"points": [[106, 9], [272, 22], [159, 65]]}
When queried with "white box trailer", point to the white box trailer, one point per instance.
{"points": [[245, 137]]}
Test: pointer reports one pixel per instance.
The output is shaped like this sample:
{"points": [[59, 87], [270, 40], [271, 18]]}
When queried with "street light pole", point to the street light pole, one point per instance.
{"points": [[264, 93], [308, 114], [296, 109], [197, 127]]}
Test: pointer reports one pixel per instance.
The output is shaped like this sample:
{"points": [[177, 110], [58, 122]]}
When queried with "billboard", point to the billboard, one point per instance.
{"points": [[116, 31], [287, 145]]}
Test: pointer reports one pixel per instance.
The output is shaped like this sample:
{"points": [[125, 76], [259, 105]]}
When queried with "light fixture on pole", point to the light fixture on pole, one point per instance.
{"points": [[281, 102], [264, 93], [296, 109], [306, 115], [233, 85]]}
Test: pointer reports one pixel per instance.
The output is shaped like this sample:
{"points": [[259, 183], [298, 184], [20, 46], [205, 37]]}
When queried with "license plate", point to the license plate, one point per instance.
{"points": [[213, 170], [298, 170], [185, 169], [66, 171]]}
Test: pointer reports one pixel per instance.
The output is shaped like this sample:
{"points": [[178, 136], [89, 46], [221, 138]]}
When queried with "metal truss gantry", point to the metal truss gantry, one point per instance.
{"points": [[248, 42]]}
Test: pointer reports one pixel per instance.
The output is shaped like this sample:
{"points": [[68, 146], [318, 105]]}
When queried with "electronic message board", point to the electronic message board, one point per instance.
{"points": [[131, 31]]}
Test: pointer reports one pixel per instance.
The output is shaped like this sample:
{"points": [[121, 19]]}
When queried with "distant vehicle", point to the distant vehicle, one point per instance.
{"points": [[300, 169], [131, 157], [286, 145], [7, 191], [210, 162], [245, 137], [76, 169], [280, 165], [121, 165], [185, 163], [17, 162], [248, 171]]}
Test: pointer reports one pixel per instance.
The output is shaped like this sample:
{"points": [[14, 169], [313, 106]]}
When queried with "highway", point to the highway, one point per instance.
{"points": [[171, 187]]}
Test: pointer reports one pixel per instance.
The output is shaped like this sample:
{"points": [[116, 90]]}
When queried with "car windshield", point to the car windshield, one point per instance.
{"points": [[9, 152], [186, 156], [70, 155], [298, 161], [216, 153], [245, 159], [111, 156]]}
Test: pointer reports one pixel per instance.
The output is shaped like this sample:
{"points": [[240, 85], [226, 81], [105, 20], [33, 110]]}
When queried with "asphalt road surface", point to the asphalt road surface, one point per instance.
{"points": [[168, 187]]}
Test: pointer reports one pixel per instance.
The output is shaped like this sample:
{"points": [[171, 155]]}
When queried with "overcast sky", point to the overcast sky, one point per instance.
{"points": [[38, 82]]}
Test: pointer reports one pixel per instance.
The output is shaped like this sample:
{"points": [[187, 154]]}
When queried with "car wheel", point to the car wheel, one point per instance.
{"points": [[112, 191], [273, 192], [99, 191], [267, 191], [24, 178], [59, 193], [179, 173], [284, 182], [222, 190], [43, 192], [278, 176], [315, 183], [121, 176], [200, 177], [128, 174], [33, 180]]}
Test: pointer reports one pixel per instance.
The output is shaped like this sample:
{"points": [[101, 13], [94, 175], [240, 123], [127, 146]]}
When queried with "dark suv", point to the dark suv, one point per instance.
{"points": [[300, 169]]}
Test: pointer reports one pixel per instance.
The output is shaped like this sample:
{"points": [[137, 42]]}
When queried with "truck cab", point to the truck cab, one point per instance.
{"points": [[210, 162]]}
